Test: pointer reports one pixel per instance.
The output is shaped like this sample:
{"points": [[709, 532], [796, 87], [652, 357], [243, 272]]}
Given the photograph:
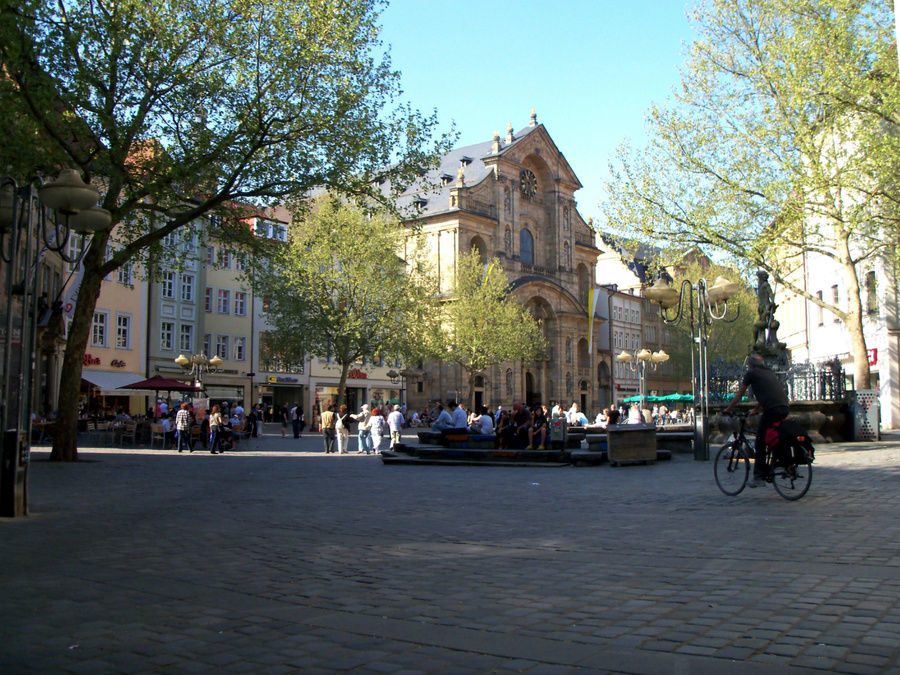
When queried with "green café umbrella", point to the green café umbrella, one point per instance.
{"points": [[675, 397]]}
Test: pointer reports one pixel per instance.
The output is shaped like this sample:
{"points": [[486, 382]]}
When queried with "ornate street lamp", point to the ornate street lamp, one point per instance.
{"points": [[712, 304], [645, 358], [197, 366], [35, 218]]}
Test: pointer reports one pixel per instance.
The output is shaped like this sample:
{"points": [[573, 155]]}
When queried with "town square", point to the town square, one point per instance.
{"points": [[403, 337]]}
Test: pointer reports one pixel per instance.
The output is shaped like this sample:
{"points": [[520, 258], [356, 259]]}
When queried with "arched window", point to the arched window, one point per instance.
{"points": [[526, 247]]}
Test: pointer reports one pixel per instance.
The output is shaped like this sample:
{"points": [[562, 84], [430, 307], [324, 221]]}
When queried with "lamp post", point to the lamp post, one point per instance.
{"points": [[645, 358], [35, 218], [396, 378], [198, 365], [712, 304]]}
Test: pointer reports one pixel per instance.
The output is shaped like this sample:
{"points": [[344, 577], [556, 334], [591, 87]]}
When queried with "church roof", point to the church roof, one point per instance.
{"points": [[432, 191]]}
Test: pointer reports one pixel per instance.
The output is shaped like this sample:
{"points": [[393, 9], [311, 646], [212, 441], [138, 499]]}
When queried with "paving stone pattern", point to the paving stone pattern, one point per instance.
{"points": [[284, 560]]}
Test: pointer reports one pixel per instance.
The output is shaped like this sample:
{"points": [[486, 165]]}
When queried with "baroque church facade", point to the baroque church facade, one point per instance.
{"points": [[513, 198]]}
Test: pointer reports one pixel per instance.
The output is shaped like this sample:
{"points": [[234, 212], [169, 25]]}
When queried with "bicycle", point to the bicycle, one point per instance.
{"points": [[791, 479]]}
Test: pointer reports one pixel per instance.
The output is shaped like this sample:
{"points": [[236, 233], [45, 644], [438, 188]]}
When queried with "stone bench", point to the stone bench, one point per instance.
{"points": [[676, 441]]}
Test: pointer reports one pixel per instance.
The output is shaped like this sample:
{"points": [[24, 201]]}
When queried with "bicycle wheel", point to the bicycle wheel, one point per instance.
{"points": [[792, 482], [732, 466]]}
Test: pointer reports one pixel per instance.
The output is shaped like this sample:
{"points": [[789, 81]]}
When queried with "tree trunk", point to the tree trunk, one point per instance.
{"points": [[342, 384], [854, 321], [65, 442], [472, 392], [862, 374]]}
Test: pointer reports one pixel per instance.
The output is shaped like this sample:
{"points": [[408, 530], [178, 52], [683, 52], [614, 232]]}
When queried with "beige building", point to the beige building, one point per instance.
{"points": [[116, 354], [513, 198]]}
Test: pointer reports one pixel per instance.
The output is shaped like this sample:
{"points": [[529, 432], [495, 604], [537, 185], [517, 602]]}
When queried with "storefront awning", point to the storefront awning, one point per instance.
{"points": [[108, 381], [218, 392]]}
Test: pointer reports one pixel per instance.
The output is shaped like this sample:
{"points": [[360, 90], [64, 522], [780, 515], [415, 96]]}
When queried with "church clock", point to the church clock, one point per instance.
{"points": [[528, 183]]}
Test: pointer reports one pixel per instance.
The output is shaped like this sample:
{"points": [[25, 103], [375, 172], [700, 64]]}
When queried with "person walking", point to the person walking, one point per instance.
{"points": [[285, 416], [302, 417], [376, 430], [363, 417], [295, 419], [183, 428], [217, 430], [329, 419], [772, 399], [342, 429], [395, 424]]}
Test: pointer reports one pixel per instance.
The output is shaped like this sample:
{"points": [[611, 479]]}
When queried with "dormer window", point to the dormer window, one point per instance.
{"points": [[465, 160], [420, 201], [446, 179]]}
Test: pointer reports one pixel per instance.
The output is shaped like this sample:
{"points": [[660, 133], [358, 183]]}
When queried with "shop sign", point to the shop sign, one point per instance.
{"points": [[117, 363], [91, 360], [357, 374], [873, 356], [274, 379]]}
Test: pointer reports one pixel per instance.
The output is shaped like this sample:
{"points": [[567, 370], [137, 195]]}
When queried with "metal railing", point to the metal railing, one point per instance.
{"points": [[803, 381]]}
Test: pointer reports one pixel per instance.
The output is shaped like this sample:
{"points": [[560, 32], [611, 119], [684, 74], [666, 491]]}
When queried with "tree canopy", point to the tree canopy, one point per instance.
{"points": [[199, 105], [781, 142], [483, 324], [349, 286]]}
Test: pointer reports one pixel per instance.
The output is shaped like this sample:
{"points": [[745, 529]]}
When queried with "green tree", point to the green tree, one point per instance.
{"points": [[349, 285], [198, 104], [483, 324], [781, 143]]}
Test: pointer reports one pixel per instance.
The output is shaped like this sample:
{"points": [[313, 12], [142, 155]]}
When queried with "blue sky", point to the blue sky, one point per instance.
{"points": [[589, 68]]}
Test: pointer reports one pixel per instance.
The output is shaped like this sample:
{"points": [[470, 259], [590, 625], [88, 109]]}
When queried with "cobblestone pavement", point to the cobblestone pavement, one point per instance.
{"points": [[281, 559]]}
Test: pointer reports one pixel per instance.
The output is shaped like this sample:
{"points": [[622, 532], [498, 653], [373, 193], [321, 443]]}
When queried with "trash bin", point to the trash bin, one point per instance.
{"points": [[559, 430], [864, 406]]}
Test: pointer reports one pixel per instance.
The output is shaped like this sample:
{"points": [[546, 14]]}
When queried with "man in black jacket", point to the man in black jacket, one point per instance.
{"points": [[771, 398]]}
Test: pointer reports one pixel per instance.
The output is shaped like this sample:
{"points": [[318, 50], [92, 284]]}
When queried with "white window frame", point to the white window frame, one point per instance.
{"points": [[187, 287], [209, 299], [100, 329], [239, 348], [223, 301], [129, 322], [186, 330], [240, 303], [207, 343], [167, 285], [167, 336], [126, 274], [223, 343], [75, 249]]}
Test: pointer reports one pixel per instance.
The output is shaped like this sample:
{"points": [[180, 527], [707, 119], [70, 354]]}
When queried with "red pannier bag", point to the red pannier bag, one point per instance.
{"points": [[789, 444]]}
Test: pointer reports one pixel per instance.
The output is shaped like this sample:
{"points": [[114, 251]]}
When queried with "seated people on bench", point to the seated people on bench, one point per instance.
{"points": [[613, 417], [482, 423], [516, 434], [443, 420], [458, 416], [502, 429], [539, 427]]}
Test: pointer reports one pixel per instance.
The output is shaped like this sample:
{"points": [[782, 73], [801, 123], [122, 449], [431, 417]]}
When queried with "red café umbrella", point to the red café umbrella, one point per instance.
{"points": [[159, 383]]}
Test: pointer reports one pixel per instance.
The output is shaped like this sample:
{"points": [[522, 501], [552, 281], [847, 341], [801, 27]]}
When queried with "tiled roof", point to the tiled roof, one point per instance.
{"points": [[436, 195]]}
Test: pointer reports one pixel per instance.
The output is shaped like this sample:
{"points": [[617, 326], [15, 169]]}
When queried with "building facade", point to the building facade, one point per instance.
{"points": [[813, 334], [513, 198]]}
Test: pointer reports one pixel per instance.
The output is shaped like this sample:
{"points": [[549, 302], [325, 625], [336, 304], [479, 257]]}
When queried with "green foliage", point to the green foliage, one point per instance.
{"points": [[205, 100], [782, 140], [483, 324], [204, 103], [349, 285]]}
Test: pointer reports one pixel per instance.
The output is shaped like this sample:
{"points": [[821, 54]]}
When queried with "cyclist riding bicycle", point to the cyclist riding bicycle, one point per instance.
{"points": [[771, 399]]}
